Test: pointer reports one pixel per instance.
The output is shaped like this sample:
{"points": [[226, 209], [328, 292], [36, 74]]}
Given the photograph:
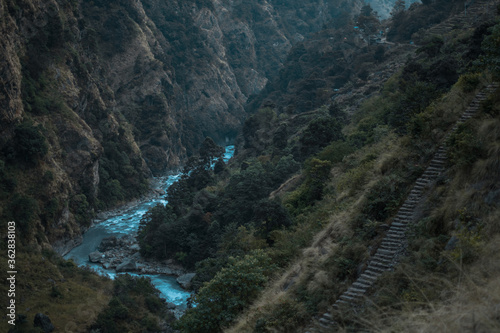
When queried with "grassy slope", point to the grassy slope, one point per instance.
{"points": [[70, 296], [450, 290], [432, 288]]}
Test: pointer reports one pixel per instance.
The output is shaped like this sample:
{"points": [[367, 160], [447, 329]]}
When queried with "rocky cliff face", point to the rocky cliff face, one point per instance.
{"points": [[98, 95]]}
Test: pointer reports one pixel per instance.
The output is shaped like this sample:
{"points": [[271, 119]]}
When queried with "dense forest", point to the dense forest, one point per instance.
{"points": [[332, 129]]}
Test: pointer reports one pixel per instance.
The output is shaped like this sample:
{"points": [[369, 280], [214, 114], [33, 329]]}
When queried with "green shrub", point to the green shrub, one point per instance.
{"points": [[23, 210], [384, 197], [29, 144], [286, 316], [81, 209], [469, 82], [228, 293], [463, 147], [336, 151], [490, 61], [432, 46]]}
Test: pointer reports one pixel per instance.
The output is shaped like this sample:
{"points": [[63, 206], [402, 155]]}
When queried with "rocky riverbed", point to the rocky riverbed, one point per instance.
{"points": [[122, 255]]}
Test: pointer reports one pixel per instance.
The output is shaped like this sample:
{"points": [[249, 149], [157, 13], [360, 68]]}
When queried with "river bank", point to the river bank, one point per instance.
{"points": [[120, 251]]}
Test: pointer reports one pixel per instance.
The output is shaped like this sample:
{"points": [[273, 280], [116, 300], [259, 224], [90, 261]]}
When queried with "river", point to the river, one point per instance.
{"points": [[124, 222]]}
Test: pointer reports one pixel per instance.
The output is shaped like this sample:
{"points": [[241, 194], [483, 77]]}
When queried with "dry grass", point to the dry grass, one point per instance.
{"points": [[83, 295], [471, 303], [455, 302]]}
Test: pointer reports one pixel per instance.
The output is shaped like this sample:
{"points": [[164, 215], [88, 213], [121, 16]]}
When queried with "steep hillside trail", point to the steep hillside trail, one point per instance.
{"points": [[394, 243], [474, 11]]}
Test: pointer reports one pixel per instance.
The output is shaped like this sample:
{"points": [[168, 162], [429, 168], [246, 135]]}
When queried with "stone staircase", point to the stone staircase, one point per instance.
{"points": [[394, 243], [477, 11]]}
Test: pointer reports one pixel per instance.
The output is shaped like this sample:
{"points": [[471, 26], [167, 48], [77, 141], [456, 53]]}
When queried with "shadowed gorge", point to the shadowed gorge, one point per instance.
{"points": [[361, 195]]}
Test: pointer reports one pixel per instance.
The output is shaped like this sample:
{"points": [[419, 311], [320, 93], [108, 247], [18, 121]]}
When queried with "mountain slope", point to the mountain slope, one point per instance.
{"points": [[112, 92]]}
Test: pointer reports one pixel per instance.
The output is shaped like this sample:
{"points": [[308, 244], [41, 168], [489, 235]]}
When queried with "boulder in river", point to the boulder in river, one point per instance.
{"points": [[185, 280], [127, 266], [108, 243], [96, 257]]}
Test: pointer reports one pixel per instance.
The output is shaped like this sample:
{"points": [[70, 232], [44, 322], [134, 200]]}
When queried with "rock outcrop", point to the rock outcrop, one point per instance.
{"points": [[43, 322]]}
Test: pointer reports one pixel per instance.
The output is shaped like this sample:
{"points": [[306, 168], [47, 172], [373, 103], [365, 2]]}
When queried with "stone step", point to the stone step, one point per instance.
{"points": [[328, 315], [354, 295], [361, 285], [403, 219], [395, 235], [438, 162], [376, 269], [326, 321], [398, 229], [403, 214], [379, 265], [395, 232], [431, 175], [365, 281], [430, 168], [384, 259], [366, 276], [390, 246], [396, 239], [372, 272], [418, 187], [433, 170], [401, 224], [359, 291], [347, 298], [392, 242]]}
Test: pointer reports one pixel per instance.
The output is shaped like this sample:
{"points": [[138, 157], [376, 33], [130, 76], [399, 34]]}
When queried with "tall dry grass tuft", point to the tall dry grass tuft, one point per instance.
{"points": [[470, 304]]}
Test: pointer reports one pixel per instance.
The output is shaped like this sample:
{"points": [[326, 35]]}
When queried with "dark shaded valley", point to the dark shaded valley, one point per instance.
{"points": [[336, 116]]}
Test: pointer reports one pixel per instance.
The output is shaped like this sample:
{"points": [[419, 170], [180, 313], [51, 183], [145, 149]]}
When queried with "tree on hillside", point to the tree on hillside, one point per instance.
{"points": [[368, 19], [228, 293], [399, 6], [491, 48]]}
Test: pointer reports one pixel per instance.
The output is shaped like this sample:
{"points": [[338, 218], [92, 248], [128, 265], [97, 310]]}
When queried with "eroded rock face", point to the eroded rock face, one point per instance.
{"points": [[123, 90], [185, 280]]}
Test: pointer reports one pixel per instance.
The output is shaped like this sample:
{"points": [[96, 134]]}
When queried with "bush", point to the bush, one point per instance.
{"points": [[463, 147], [491, 47], [28, 145], [469, 82], [432, 46], [80, 208], [384, 198], [23, 209], [228, 293], [319, 133], [286, 316]]}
